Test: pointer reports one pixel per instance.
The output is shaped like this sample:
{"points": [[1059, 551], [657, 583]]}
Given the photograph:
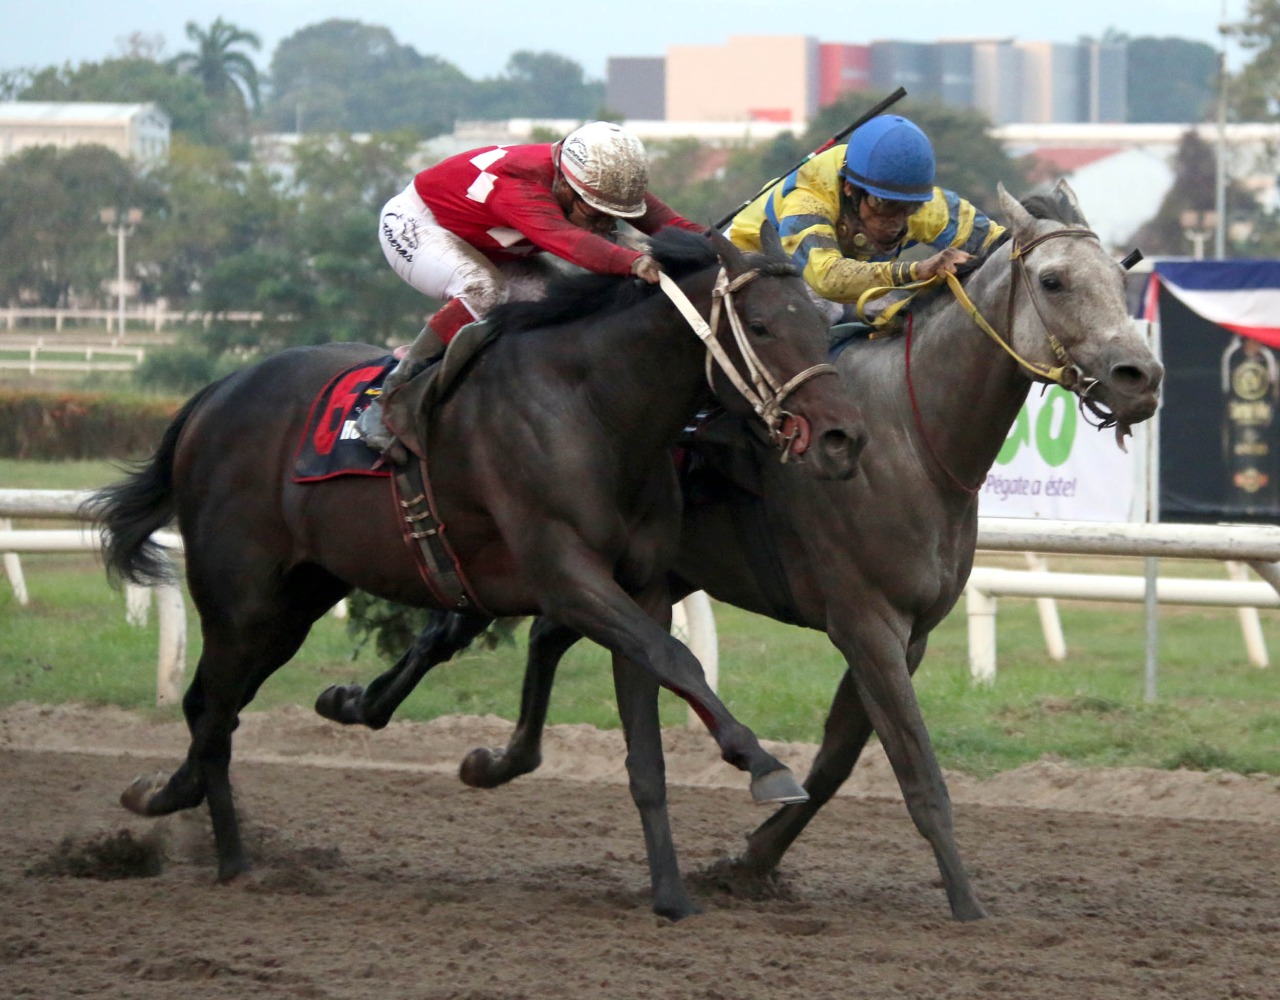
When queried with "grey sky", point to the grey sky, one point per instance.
{"points": [[479, 35]]}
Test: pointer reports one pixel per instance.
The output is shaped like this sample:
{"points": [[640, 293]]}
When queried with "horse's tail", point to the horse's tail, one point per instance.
{"points": [[127, 513]]}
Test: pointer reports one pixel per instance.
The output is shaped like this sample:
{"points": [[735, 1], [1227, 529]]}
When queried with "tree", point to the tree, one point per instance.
{"points": [[1195, 172], [130, 80], [52, 243], [305, 254], [13, 82], [227, 75], [1255, 92], [1170, 79], [342, 75], [538, 85]]}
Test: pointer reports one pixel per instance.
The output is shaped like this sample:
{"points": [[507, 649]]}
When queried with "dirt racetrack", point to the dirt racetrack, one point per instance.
{"points": [[378, 874]]}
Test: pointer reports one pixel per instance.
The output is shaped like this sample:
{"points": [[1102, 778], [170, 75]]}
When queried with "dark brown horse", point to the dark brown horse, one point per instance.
{"points": [[550, 465], [878, 561]]}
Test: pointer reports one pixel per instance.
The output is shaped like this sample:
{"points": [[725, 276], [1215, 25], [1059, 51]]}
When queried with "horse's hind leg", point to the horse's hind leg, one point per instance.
{"points": [[160, 794], [446, 634], [485, 767], [244, 643]]}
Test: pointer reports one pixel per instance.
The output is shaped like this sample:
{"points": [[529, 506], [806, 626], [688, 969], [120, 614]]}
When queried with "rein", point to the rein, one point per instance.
{"points": [[766, 393], [1067, 374]]}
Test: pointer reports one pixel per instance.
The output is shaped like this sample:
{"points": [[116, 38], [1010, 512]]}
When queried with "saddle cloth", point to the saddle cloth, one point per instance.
{"points": [[329, 445]]}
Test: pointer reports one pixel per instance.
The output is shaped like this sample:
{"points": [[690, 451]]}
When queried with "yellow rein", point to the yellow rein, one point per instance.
{"points": [[1057, 374]]}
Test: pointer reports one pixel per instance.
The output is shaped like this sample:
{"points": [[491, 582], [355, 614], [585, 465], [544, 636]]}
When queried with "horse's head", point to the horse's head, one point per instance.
{"points": [[771, 355], [1068, 311]]}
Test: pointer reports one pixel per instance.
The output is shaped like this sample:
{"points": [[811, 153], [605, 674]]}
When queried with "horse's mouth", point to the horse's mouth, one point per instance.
{"points": [[1104, 409]]}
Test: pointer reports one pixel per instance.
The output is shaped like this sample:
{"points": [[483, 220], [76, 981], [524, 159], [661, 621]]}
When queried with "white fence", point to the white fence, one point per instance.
{"points": [[84, 357], [1258, 546], [146, 318], [692, 619], [64, 505]]}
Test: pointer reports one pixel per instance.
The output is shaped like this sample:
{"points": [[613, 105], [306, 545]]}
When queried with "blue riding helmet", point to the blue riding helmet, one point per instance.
{"points": [[891, 158]]}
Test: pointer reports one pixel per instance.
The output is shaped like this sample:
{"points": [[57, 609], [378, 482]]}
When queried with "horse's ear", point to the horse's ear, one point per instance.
{"points": [[770, 241], [730, 256], [1019, 219], [1066, 199]]}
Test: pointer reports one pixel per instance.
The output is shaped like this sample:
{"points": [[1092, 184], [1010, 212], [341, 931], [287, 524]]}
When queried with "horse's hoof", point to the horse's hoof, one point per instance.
{"points": [[137, 797], [231, 870], [970, 910], [340, 703], [678, 910], [777, 788], [480, 768]]}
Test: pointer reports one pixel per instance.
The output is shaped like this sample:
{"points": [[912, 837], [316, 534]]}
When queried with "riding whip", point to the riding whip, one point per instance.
{"points": [[880, 108]]}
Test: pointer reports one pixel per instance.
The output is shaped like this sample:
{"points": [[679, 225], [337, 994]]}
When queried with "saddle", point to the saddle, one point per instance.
{"points": [[407, 412]]}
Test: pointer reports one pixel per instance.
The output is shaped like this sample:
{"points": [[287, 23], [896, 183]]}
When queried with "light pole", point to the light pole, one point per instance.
{"points": [[120, 223], [1198, 227]]}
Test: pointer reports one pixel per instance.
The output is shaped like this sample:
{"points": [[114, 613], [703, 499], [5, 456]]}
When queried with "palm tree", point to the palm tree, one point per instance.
{"points": [[222, 71]]}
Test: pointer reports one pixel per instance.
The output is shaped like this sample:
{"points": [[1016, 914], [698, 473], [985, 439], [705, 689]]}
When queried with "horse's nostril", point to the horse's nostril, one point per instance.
{"points": [[840, 450]]}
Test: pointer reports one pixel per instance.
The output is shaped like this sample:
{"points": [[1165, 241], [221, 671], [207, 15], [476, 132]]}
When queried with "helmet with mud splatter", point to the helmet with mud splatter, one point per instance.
{"points": [[606, 165]]}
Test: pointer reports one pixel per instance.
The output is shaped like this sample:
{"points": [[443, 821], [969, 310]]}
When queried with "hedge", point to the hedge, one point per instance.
{"points": [[79, 425]]}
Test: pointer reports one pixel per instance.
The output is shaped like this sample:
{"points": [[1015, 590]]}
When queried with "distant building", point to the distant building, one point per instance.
{"points": [[841, 69], [786, 78], [1051, 88], [749, 78], [138, 132], [902, 64], [636, 86], [997, 84], [952, 73], [1103, 82]]}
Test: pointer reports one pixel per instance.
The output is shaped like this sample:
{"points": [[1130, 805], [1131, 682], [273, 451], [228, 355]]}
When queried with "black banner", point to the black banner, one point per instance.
{"points": [[1219, 432]]}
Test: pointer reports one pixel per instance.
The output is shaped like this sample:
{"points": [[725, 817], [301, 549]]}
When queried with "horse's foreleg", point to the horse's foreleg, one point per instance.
{"points": [[486, 767], [637, 693], [446, 634], [602, 611], [881, 675], [846, 733]]}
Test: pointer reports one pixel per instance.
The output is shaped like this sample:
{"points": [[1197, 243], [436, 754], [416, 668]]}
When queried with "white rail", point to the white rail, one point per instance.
{"points": [[692, 619], [171, 660], [1256, 545]]}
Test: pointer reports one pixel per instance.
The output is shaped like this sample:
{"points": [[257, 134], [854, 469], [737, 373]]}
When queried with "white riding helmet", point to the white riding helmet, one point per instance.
{"points": [[606, 165]]}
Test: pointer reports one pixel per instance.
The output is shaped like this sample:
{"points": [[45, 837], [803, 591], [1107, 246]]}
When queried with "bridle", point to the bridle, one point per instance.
{"points": [[1066, 373], [766, 394]]}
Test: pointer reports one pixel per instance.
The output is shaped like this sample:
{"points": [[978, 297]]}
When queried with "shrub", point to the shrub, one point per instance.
{"points": [[76, 425]]}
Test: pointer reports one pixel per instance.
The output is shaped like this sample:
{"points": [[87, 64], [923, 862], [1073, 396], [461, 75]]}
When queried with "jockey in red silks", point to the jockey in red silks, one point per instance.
{"points": [[473, 230]]}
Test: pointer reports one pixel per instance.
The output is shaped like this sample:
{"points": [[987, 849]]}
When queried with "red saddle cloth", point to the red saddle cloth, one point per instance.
{"points": [[330, 445]]}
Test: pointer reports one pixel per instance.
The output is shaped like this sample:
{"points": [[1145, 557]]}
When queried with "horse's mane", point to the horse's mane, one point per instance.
{"points": [[680, 252], [1039, 206]]}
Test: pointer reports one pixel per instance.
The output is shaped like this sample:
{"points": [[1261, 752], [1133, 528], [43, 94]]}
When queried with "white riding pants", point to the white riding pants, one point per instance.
{"points": [[442, 265]]}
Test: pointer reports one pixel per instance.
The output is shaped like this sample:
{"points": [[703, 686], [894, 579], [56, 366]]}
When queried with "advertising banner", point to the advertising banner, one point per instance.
{"points": [[1220, 336], [1056, 465]]}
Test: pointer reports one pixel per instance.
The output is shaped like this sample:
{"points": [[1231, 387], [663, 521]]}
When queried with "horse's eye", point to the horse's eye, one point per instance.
{"points": [[1050, 282], [758, 328]]}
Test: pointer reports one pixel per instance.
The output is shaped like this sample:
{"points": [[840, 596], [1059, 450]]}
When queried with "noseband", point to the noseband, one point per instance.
{"points": [[766, 393]]}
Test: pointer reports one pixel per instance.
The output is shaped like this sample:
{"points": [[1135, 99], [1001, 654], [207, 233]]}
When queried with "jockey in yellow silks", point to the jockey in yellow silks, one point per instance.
{"points": [[847, 215]]}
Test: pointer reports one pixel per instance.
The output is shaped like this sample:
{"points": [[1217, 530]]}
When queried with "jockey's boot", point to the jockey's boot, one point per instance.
{"points": [[426, 347]]}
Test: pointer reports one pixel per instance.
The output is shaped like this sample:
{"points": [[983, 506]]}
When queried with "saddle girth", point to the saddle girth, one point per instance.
{"points": [[425, 535]]}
